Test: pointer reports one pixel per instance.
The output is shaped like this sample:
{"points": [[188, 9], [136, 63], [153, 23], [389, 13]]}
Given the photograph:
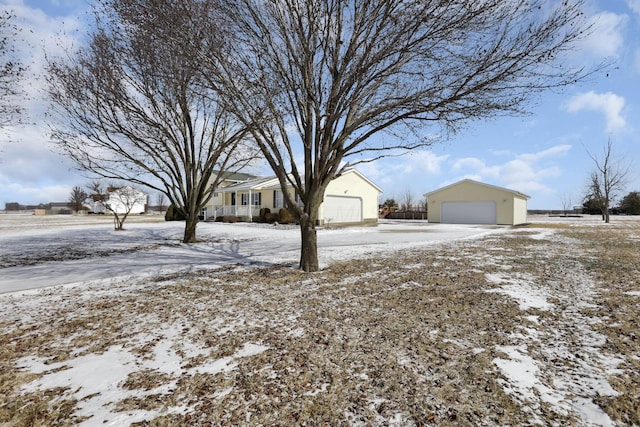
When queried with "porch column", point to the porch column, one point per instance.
{"points": [[215, 209]]}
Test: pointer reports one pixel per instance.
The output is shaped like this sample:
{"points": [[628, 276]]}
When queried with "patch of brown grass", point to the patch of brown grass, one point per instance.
{"points": [[40, 409], [614, 259], [546, 225]]}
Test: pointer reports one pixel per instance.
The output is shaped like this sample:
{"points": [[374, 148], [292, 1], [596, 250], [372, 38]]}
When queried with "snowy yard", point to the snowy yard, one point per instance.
{"points": [[407, 324]]}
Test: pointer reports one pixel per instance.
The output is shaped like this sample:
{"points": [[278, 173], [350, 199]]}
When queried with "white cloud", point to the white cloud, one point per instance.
{"points": [[468, 163], [606, 39], [609, 104], [524, 172], [527, 175], [34, 194], [634, 5], [416, 162], [31, 159], [478, 166], [423, 161], [39, 34], [30, 173], [558, 150], [412, 171]]}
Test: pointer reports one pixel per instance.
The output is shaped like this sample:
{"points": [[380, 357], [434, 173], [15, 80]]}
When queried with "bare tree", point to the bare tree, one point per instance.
{"points": [[132, 106], [425, 203], [607, 180], [77, 199], [120, 201], [565, 199], [161, 201], [407, 200], [11, 71], [317, 80], [594, 194]]}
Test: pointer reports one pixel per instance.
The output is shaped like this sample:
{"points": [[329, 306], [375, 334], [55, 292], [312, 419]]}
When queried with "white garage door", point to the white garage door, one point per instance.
{"points": [[338, 209], [468, 213]]}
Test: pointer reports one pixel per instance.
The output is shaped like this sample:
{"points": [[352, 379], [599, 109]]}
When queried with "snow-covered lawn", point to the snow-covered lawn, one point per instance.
{"points": [[408, 323], [43, 251]]}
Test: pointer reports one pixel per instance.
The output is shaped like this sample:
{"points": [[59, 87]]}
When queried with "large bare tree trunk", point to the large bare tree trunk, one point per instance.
{"points": [[309, 247], [190, 228], [116, 222]]}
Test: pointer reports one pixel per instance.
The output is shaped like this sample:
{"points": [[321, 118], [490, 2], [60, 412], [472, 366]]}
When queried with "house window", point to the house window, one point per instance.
{"points": [[256, 199], [233, 199], [278, 201], [216, 194]]}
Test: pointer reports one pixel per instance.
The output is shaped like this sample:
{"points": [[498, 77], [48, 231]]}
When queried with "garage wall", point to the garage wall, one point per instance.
{"points": [[353, 184], [468, 212], [510, 209], [342, 209], [519, 211]]}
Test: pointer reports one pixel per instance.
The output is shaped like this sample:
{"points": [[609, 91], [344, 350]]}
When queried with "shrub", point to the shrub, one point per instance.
{"points": [[230, 219], [270, 218], [630, 204], [173, 214], [285, 216], [263, 214]]}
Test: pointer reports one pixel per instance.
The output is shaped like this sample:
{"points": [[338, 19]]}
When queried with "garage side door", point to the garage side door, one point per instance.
{"points": [[468, 213], [338, 209]]}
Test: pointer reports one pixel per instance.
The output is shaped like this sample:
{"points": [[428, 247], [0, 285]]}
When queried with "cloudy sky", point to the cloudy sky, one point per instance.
{"points": [[544, 155]]}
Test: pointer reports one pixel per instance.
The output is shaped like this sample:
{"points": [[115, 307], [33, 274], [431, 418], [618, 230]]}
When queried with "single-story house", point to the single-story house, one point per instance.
{"points": [[350, 198], [218, 198], [472, 202]]}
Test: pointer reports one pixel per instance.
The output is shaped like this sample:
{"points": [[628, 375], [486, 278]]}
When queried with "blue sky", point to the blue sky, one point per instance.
{"points": [[543, 154]]}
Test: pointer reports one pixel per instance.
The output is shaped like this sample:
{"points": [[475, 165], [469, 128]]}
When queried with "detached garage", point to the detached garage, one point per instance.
{"points": [[472, 202]]}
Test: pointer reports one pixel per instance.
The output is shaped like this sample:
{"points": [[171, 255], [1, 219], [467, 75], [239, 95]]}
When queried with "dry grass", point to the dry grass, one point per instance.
{"points": [[364, 342], [614, 261]]}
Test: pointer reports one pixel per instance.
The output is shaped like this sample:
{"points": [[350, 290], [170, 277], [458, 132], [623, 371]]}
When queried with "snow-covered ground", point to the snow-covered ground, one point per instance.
{"points": [[150, 246], [428, 323]]}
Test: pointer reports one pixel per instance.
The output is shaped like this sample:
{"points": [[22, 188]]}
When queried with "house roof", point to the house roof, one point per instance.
{"points": [[514, 192], [271, 182], [259, 183], [236, 176]]}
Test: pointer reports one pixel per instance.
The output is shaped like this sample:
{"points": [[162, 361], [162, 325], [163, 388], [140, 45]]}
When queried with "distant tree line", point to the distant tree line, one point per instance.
{"points": [[629, 205]]}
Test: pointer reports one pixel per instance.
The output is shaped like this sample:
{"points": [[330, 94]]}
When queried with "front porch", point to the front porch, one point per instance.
{"points": [[245, 200], [242, 211]]}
